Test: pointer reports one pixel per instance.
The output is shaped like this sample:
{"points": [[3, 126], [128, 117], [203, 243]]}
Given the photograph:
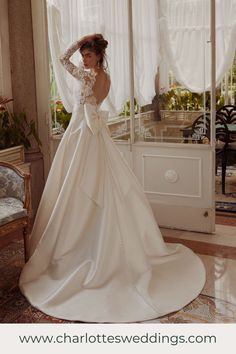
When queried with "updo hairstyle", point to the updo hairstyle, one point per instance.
{"points": [[98, 46]]}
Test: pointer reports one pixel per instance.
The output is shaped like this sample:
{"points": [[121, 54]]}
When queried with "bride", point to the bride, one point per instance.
{"points": [[96, 252]]}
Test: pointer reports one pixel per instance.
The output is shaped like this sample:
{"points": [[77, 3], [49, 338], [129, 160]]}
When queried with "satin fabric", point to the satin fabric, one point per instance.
{"points": [[96, 251]]}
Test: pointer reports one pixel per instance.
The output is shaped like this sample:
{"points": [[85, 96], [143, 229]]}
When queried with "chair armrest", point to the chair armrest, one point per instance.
{"points": [[26, 178], [27, 203]]}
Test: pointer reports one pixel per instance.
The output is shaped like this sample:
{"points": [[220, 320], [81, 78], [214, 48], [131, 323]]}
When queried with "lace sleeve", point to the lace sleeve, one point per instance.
{"points": [[65, 59], [77, 71], [87, 78]]}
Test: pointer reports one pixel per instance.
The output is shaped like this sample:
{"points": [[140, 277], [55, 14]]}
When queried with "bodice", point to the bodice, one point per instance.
{"points": [[95, 119]]}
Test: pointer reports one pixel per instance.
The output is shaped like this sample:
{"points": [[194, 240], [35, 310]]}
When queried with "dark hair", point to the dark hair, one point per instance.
{"points": [[98, 46]]}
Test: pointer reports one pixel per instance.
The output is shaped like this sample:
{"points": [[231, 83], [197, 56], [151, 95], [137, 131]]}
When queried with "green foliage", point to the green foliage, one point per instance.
{"points": [[16, 130], [179, 99], [62, 116], [126, 108]]}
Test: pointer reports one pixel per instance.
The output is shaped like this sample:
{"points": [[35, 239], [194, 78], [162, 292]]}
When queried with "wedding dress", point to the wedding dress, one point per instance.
{"points": [[96, 251]]}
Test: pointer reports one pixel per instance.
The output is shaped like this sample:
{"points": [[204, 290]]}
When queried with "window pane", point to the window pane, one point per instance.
{"points": [[69, 21], [179, 77]]}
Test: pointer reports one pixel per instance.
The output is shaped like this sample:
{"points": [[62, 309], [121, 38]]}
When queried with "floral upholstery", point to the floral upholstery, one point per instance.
{"points": [[11, 184], [11, 209], [15, 201], [12, 194]]}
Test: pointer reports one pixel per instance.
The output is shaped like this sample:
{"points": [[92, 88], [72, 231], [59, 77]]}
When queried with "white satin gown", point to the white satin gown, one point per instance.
{"points": [[96, 252]]}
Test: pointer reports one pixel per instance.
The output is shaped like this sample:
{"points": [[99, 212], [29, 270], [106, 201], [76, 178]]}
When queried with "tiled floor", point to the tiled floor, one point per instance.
{"points": [[216, 304], [230, 189], [224, 235], [220, 260]]}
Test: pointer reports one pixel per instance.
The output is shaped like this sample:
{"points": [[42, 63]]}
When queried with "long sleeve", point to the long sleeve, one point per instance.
{"points": [[65, 60], [87, 78]]}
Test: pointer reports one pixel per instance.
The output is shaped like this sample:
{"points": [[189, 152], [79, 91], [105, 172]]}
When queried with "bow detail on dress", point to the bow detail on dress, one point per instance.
{"points": [[96, 120]]}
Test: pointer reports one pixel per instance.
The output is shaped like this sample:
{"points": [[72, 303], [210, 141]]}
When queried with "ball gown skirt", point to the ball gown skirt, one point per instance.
{"points": [[96, 251]]}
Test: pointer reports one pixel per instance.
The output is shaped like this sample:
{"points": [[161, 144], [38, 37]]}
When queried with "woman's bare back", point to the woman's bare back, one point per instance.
{"points": [[101, 87]]}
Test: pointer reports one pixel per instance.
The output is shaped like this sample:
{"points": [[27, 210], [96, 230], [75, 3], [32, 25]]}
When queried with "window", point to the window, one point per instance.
{"points": [[164, 116]]}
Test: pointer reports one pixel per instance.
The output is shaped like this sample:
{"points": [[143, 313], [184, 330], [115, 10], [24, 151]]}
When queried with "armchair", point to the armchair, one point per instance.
{"points": [[15, 201]]}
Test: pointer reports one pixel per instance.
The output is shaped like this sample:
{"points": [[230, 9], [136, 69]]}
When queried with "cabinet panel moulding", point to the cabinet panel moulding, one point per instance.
{"points": [[189, 181]]}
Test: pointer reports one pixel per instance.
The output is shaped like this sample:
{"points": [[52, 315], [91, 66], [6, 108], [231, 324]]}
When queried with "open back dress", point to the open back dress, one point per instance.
{"points": [[96, 251]]}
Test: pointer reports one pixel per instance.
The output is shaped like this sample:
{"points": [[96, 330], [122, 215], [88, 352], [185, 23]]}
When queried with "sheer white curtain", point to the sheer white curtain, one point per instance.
{"points": [[185, 40], [146, 48], [68, 20]]}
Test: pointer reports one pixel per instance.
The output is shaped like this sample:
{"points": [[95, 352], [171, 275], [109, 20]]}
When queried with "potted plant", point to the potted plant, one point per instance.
{"points": [[61, 118], [14, 128], [126, 109], [180, 99]]}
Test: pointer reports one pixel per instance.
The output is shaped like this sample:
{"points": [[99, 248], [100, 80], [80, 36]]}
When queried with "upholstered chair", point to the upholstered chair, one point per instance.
{"points": [[15, 202]]}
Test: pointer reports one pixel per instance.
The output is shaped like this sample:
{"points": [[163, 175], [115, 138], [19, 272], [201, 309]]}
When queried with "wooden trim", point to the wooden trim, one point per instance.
{"points": [[26, 177], [21, 223], [13, 167], [13, 225], [14, 155]]}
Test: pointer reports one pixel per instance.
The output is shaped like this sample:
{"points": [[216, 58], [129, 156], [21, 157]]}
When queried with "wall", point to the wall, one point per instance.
{"points": [[24, 83], [5, 74]]}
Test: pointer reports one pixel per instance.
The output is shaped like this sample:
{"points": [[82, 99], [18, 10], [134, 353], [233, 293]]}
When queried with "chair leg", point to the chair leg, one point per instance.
{"points": [[25, 235], [224, 165]]}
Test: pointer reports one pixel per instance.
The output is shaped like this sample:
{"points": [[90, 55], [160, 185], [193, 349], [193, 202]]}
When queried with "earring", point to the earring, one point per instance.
{"points": [[98, 64]]}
